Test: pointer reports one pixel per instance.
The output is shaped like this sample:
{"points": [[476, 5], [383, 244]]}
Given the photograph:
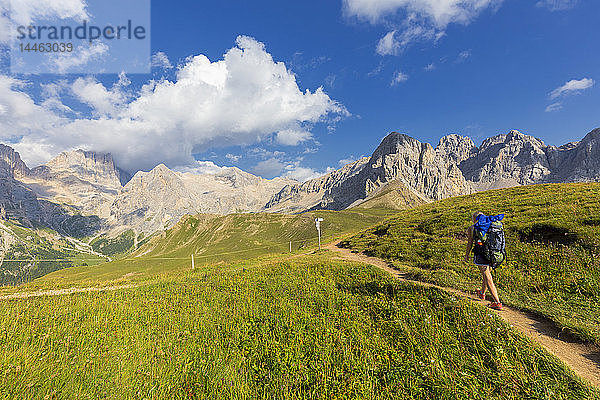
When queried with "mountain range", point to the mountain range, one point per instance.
{"points": [[83, 193]]}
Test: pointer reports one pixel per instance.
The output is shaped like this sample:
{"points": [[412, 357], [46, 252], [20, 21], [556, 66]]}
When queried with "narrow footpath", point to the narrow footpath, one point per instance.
{"points": [[582, 358]]}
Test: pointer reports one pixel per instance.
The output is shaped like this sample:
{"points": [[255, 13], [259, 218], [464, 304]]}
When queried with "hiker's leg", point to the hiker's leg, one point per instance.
{"points": [[491, 285], [484, 284]]}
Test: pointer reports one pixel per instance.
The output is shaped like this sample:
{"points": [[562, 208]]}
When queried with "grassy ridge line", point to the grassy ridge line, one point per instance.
{"points": [[553, 242], [304, 328]]}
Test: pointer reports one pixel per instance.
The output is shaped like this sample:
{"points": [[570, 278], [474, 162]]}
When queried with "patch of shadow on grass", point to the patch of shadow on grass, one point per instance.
{"points": [[591, 222], [381, 231], [548, 234]]}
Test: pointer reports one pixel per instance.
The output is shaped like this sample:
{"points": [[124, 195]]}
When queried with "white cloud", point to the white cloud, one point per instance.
{"points": [[302, 174], [104, 102], [161, 60], [399, 77], [292, 137], [243, 99], [554, 107], [557, 5], [415, 20], [430, 67], [268, 168], [201, 168], [24, 12], [347, 161], [388, 45], [64, 63], [233, 158], [572, 86]]}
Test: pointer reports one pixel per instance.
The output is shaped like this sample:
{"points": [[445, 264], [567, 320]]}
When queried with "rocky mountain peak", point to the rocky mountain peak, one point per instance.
{"points": [[592, 136], [394, 143], [89, 166], [513, 158], [11, 164], [456, 148]]}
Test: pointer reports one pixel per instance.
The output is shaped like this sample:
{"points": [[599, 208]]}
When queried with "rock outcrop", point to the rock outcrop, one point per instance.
{"points": [[455, 167], [11, 163], [299, 197], [514, 157], [86, 180], [576, 162], [399, 158]]}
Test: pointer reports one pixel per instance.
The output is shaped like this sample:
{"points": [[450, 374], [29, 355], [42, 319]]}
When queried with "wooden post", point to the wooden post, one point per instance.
{"points": [[192, 261], [290, 246]]}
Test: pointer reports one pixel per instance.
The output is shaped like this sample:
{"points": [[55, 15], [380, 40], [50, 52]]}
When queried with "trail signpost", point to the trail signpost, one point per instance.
{"points": [[318, 225]]}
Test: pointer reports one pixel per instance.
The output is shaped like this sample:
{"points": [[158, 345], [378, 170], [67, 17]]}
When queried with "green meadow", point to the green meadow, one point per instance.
{"points": [[212, 239], [298, 328], [553, 249]]}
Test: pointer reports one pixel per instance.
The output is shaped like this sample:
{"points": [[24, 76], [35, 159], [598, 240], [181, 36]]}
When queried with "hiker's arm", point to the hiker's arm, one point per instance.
{"points": [[469, 243]]}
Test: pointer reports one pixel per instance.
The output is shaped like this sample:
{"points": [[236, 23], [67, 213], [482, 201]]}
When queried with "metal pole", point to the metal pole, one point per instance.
{"points": [[319, 239], [290, 246], [192, 261]]}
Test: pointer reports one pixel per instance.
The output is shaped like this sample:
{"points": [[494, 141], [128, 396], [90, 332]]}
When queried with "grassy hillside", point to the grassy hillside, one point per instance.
{"points": [[302, 328], [212, 239], [254, 234], [553, 246]]}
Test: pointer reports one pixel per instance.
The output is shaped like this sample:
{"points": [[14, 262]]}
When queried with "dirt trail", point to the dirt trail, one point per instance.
{"points": [[584, 359], [60, 292]]}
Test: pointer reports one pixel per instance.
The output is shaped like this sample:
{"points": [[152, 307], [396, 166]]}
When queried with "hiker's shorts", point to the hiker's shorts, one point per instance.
{"points": [[480, 261]]}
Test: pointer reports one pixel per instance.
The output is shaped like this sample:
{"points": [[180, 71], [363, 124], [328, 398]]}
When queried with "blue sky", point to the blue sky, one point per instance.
{"points": [[395, 65]]}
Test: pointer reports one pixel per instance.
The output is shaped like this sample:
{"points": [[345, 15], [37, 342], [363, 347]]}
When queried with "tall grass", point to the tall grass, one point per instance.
{"points": [[553, 246], [301, 329]]}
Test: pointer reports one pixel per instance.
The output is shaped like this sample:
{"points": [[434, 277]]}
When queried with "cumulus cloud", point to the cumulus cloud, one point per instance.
{"points": [[557, 5], [104, 102], [346, 161], [301, 174], [415, 20], [242, 99], [64, 63]]}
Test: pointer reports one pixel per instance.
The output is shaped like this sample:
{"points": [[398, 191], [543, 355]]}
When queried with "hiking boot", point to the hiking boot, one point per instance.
{"points": [[480, 295], [495, 306]]}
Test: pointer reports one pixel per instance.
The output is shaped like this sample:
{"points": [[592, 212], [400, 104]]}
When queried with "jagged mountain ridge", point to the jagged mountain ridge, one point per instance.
{"points": [[84, 179], [455, 167], [91, 183], [157, 199]]}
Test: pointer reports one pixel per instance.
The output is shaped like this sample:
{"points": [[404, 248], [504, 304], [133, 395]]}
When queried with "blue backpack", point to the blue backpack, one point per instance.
{"points": [[488, 235]]}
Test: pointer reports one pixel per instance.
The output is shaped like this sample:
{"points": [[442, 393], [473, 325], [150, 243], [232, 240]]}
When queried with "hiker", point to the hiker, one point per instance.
{"points": [[477, 234]]}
